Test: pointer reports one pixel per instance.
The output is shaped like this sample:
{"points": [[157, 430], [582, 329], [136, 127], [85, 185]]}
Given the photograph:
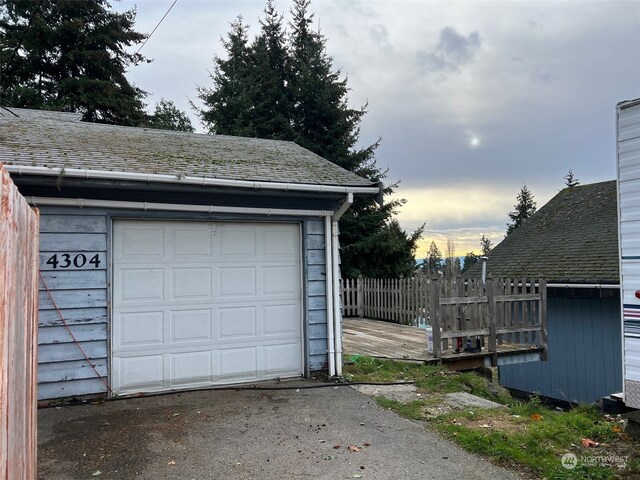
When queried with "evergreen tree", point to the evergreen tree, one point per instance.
{"points": [[169, 117], [570, 180], [272, 74], [70, 55], [486, 245], [284, 87], [469, 260], [433, 263], [524, 208], [391, 254], [228, 104]]}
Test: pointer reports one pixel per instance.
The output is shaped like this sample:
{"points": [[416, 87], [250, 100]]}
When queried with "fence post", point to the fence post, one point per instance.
{"points": [[542, 285], [359, 297], [491, 310], [434, 300]]}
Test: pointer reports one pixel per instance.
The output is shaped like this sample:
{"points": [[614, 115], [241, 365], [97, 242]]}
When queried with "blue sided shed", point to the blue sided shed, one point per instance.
{"points": [[178, 260], [571, 241]]}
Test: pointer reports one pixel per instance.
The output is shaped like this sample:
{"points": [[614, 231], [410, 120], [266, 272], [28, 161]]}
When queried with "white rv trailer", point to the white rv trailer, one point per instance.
{"points": [[628, 173]]}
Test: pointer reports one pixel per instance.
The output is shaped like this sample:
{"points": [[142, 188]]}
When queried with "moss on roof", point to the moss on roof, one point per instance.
{"points": [[571, 239], [55, 139]]}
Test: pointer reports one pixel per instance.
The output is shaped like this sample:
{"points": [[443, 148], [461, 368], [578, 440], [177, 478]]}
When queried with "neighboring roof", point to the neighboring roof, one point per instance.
{"points": [[57, 140], [571, 239]]}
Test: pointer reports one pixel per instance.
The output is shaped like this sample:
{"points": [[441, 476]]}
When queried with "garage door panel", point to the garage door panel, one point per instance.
{"points": [[191, 367], [191, 325], [210, 303], [191, 283], [238, 241], [237, 322], [237, 281], [239, 363], [281, 243], [281, 358], [142, 284], [135, 329], [281, 280], [145, 372], [282, 319], [192, 242], [141, 241]]}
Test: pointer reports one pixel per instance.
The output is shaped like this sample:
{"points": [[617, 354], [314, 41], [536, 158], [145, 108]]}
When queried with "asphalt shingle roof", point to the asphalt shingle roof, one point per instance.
{"points": [[55, 139], [571, 239]]}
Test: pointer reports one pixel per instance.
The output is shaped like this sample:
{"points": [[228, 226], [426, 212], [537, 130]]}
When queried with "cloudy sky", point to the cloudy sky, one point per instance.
{"points": [[472, 99]]}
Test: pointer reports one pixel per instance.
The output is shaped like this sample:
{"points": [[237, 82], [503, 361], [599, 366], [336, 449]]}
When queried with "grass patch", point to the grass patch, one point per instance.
{"points": [[528, 436], [428, 378], [413, 410]]}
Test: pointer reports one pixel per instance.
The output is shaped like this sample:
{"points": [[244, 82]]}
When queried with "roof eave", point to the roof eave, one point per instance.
{"points": [[190, 180]]}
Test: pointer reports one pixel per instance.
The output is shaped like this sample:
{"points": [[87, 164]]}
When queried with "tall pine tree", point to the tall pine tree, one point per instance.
{"points": [[285, 87], [228, 104], [272, 97], [70, 55], [524, 208]]}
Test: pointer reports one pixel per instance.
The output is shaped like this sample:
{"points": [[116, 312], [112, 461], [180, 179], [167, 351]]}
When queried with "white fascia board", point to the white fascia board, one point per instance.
{"points": [[188, 180], [175, 207]]}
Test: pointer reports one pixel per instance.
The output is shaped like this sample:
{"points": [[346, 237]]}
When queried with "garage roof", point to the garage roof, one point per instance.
{"points": [[36, 138]]}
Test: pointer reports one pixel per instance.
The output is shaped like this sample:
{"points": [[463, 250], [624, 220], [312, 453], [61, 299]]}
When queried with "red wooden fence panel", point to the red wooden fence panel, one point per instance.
{"points": [[18, 332]]}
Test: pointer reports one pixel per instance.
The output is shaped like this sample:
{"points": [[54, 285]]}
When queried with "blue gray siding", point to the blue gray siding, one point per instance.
{"points": [[83, 297], [316, 298], [585, 353]]}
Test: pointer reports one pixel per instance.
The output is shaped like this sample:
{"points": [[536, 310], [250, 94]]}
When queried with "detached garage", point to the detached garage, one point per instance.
{"points": [[172, 260]]}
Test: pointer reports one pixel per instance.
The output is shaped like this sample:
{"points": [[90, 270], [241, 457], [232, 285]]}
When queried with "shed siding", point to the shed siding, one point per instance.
{"points": [[82, 297], [316, 311], [585, 354]]}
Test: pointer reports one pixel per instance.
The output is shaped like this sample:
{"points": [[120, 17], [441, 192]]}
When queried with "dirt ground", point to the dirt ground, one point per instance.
{"points": [[300, 432]]}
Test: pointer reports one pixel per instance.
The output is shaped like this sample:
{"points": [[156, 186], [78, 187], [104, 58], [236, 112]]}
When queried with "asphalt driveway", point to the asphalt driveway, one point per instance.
{"points": [[332, 432]]}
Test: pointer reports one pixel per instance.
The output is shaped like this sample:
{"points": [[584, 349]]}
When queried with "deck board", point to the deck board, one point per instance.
{"points": [[376, 338]]}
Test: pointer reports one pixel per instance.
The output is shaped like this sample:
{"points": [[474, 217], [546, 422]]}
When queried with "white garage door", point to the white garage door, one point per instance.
{"points": [[197, 304]]}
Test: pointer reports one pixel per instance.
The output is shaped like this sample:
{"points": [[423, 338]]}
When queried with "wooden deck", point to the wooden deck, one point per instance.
{"points": [[382, 339]]}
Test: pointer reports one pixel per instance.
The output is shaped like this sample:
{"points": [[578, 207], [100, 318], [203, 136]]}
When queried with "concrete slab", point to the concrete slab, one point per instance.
{"points": [[400, 393], [464, 400], [248, 434]]}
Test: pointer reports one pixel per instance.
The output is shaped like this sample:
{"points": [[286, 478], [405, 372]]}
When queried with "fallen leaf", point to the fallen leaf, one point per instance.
{"points": [[536, 417], [353, 448], [171, 462], [587, 442], [96, 473], [616, 428], [367, 444]]}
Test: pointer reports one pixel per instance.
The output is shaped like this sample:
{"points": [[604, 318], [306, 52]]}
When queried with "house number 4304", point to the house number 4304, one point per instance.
{"points": [[67, 260]]}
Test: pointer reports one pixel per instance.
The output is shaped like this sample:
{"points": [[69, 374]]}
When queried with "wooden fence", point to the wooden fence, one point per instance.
{"points": [[459, 311], [400, 300], [18, 332]]}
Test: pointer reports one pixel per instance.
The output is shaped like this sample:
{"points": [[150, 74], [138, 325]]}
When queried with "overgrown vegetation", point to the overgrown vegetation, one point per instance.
{"points": [[527, 436]]}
